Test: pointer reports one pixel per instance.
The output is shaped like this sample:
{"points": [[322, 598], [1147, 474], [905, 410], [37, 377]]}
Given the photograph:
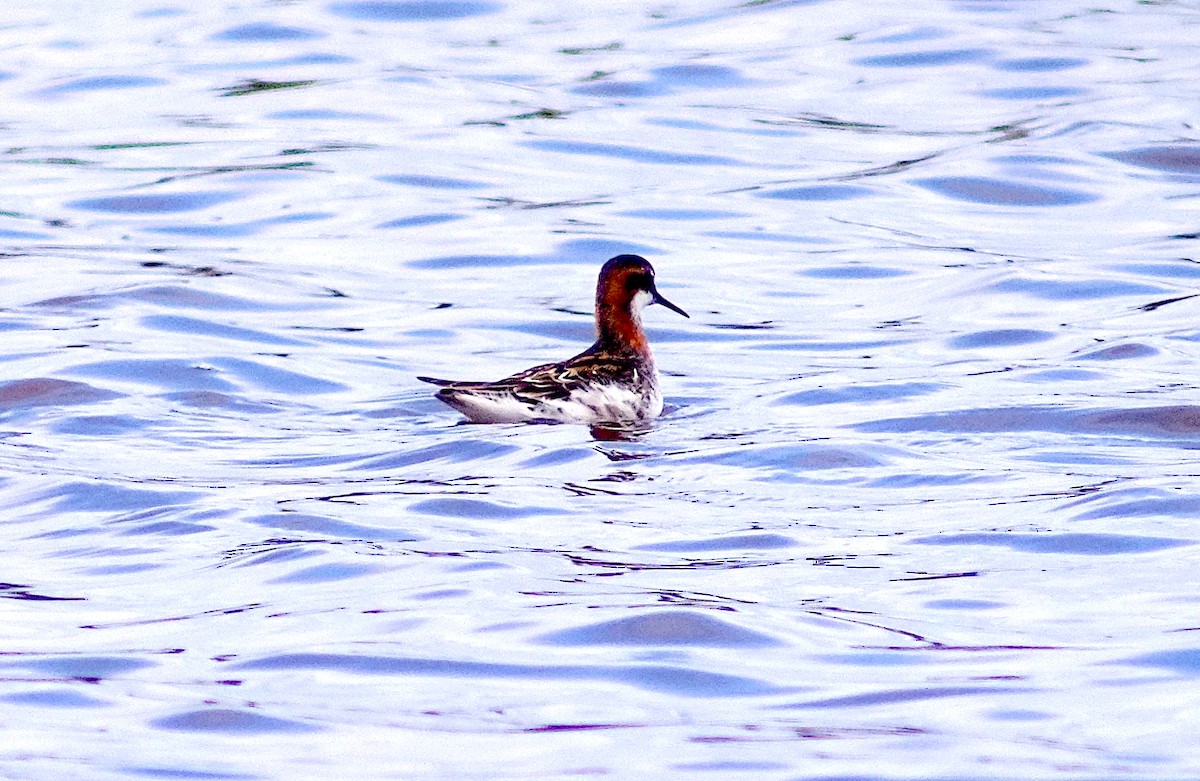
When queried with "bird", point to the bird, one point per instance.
{"points": [[613, 382]]}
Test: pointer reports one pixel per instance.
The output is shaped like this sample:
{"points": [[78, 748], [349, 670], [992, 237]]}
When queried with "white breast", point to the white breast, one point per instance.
{"points": [[598, 403], [607, 404]]}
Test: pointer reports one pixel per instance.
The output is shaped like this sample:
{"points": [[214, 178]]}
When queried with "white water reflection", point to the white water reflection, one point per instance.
{"points": [[923, 502]]}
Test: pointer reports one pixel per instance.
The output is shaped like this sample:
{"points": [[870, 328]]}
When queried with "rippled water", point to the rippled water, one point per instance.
{"points": [[924, 501]]}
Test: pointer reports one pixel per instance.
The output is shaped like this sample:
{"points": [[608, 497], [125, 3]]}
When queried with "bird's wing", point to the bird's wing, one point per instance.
{"points": [[550, 381], [559, 380]]}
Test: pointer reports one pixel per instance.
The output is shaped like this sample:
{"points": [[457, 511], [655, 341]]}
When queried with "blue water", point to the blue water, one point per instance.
{"points": [[924, 501]]}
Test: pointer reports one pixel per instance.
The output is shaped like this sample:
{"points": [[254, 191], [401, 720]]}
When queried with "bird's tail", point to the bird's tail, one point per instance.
{"points": [[436, 381]]}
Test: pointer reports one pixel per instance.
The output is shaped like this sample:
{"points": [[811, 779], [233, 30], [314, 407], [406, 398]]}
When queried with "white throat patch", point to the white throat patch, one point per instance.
{"points": [[641, 300]]}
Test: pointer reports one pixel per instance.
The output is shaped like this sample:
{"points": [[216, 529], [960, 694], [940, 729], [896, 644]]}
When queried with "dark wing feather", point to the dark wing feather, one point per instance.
{"points": [[551, 381], [444, 383]]}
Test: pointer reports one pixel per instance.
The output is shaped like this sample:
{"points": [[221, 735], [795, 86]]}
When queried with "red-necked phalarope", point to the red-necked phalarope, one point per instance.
{"points": [[613, 381]]}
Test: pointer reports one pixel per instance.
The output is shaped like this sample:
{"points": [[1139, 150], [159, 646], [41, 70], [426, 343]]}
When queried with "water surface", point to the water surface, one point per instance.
{"points": [[922, 505]]}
